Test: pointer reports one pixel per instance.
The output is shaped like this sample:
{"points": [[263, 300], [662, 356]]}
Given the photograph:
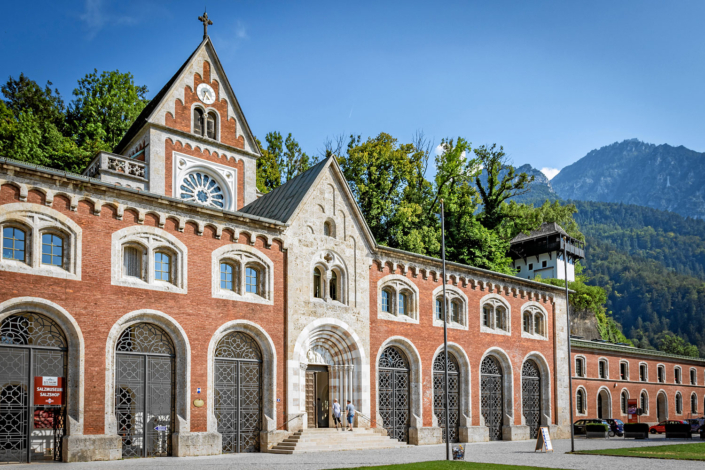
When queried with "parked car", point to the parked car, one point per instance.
{"points": [[616, 427], [660, 428], [696, 424], [579, 426]]}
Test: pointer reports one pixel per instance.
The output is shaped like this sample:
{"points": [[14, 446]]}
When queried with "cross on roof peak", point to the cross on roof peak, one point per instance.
{"points": [[204, 19]]}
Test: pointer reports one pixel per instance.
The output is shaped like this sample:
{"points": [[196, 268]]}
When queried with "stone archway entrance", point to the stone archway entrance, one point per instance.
{"points": [[531, 396], [34, 349], [439, 410], [394, 399], [492, 398]]}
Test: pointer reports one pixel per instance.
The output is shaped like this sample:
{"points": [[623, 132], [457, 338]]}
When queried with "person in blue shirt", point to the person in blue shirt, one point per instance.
{"points": [[351, 414]]}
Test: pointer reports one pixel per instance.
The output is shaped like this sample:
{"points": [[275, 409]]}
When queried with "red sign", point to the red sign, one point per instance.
{"points": [[632, 405], [48, 391]]}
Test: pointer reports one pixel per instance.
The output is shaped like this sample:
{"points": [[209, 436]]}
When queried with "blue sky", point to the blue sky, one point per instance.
{"points": [[548, 80]]}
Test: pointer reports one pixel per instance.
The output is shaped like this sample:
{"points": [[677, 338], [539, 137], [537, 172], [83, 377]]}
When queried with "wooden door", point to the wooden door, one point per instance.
{"points": [[311, 398]]}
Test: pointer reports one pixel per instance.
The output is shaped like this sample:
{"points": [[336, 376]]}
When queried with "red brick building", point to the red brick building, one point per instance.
{"points": [[606, 375]]}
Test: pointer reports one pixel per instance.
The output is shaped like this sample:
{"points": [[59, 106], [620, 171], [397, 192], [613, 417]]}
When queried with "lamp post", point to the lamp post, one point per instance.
{"points": [[445, 330], [570, 359]]}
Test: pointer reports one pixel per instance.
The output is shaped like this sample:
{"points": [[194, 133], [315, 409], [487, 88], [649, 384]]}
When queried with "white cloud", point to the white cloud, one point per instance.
{"points": [[96, 16], [550, 172], [240, 30]]}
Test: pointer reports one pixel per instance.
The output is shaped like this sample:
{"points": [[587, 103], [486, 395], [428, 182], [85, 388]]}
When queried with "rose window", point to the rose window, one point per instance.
{"points": [[203, 189]]}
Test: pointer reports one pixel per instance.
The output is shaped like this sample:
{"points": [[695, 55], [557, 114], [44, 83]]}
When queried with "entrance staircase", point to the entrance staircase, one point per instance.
{"points": [[330, 440]]}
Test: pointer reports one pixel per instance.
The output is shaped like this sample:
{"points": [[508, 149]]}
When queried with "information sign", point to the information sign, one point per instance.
{"points": [[160, 428], [48, 391], [632, 410], [543, 440]]}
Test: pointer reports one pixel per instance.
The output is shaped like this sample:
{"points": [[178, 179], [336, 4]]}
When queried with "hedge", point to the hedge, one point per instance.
{"points": [[636, 427], [597, 427]]}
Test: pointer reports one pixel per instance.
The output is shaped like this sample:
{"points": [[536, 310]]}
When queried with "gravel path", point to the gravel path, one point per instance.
{"points": [[517, 453]]}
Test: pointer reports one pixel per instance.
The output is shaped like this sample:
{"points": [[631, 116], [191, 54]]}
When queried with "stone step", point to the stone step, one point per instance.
{"points": [[329, 440]]}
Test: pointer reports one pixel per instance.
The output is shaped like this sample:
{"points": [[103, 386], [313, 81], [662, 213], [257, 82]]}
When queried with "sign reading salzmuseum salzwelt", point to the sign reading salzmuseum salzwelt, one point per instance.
{"points": [[48, 391], [543, 440]]}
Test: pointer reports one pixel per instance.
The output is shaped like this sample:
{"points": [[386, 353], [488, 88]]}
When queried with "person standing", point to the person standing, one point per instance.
{"points": [[337, 410], [351, 414]]}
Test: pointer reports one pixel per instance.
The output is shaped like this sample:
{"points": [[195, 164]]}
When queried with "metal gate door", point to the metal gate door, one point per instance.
{"points": [[439, 408], [33, 346], [531, 396], [492, 398], [238, 391], [144, 391], [393, 373]]}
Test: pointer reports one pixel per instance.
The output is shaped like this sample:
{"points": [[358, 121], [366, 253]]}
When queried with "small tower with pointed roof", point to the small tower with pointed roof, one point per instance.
{"points": [[540, 254]]}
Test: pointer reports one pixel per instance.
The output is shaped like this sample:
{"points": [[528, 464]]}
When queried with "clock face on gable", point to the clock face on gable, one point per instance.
{"points": [[205, 93]]}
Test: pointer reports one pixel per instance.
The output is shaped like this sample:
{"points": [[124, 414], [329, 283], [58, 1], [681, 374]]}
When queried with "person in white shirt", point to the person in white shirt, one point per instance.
{"points": [[336, 414]]}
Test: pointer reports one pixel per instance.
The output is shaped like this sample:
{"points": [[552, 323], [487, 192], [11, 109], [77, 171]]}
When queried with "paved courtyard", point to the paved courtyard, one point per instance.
{"points": [[517, 453]]}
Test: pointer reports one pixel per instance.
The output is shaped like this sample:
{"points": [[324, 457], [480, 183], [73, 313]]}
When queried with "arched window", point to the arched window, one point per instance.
{"points": [[326, 229], [679, 403], [527, 322], [162, 267], [455, 311], [624, 370], [499, 313], [580, 401], [580, 367], [317, 283], [251, 280], [693, 404], [661, 374], [643, 373], [52, 250], [229, 276], [602, 366], [693, 377], [439, 308], [211, 126], [132, 261], [624, 401], [538, 324], [197, 121], [677, 375], [402, 307], [386, 301], [13, 244], [201, 188], [333, 290], [644, 403]]}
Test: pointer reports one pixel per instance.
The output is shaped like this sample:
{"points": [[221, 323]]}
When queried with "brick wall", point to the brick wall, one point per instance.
{"points": [[97, 305]]}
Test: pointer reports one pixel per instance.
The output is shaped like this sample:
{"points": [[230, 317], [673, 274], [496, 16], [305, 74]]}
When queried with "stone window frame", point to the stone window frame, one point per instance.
{"points": [[453, 294], [623, 402], [206, 110], [693, 376], [641, 394], [626, 369], [578, 391], [606, 362], [534, 309], [151, 240], [328, 262], [226, 176], [496, 300], [660, 373], [243, 256], [329, 225], [679, 403], [36, 220], [693, 403], [646, 372], [583, 360], [396, 284], [678, 375]]}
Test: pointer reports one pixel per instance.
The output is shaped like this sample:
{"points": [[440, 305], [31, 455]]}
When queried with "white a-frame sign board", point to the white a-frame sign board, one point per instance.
{"points": [[543, 440]]}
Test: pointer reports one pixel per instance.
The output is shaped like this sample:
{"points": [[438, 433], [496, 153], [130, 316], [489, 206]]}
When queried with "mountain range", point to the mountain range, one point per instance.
{"points": [[641, 209]]}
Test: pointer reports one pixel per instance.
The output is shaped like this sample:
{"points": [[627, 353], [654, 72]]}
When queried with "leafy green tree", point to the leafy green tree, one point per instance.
{"points": [[23, 95], [104, 107], [673, 344], [502, 183], [282, 159]]}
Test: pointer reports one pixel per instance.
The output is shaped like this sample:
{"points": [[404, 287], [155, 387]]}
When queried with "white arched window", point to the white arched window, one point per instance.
{"points": [[36, 239], [533, 322], [679, 403], [581, 401], [624, 401], [644, 402], [693, 404], [204, 183], [242, 273], [661, 373], [603, 369], [149, 258], [494, 316], [580, 366], [398, 299], [677, 375], [693, 377], [456, 307]]}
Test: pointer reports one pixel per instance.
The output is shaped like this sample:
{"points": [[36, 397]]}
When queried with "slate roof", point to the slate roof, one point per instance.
{"points": [[280, 203], [547, 228], [147, 111]]}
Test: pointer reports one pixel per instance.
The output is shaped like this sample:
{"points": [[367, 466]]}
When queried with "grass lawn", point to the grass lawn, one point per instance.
{"points": [[446, 465], [675, 451]]}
